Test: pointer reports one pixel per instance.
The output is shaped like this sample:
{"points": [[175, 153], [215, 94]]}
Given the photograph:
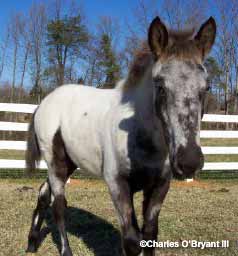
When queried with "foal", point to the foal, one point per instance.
{"points": [[135, 136]]}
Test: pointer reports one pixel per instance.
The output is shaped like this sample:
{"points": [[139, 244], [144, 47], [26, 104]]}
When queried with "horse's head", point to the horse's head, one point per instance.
{"points": [[179, 79]]}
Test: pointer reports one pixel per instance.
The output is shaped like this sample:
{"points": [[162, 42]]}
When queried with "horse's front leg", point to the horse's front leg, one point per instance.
{"points": [[122, 198], [153, 199]]}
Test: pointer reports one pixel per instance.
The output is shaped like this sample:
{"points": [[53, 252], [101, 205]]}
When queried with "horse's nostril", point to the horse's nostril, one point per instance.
{"points": [[190, 159], [180, 165], [188, 167]]}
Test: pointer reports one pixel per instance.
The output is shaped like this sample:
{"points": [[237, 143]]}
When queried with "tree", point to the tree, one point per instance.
{"points": [[176, 14], [25, 50], [235, 58], [15, 24], [108, 62], [3, 48], [65, 38], [214, 75], [213, 96], [102, 60], [184, 14], [93, 74], [227, 18], [37, 28]]}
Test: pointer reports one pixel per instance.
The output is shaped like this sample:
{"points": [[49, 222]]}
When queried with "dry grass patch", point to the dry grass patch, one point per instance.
{"points": [[205, 211]]}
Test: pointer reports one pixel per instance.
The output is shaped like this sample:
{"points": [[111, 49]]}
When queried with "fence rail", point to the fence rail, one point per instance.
{"points": [[29, 108]]}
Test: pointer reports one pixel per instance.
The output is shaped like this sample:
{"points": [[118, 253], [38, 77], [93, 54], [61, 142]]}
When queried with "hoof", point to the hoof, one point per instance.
{"points": [[32, 243], [132, 247], [67, 252], [31, 248]]}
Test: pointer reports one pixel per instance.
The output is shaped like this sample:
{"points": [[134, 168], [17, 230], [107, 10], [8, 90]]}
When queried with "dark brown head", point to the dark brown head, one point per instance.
{"points": [[179, 79]]}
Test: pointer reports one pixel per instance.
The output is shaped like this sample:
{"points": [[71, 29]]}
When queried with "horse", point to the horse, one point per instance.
{"points": [[137, 136]]}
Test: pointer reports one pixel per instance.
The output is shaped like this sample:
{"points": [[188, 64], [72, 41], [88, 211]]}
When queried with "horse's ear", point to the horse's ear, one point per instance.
{"points": [[206, 36], [157, 37]]}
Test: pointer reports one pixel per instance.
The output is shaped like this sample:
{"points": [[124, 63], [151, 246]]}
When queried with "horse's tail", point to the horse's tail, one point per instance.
{"points": [[33, 153]]}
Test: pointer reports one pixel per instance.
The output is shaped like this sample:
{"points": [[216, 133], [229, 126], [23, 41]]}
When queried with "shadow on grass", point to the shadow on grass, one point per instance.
{"points": [[99, 235]]}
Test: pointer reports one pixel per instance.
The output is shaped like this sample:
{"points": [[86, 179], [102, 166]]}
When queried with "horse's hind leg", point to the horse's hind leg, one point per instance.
{"points": [[38, 216], [58, 207], [61, 168]]}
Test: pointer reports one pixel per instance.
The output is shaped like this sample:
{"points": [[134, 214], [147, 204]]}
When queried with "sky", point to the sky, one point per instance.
{"points": [[93, 8], [122, 10]]}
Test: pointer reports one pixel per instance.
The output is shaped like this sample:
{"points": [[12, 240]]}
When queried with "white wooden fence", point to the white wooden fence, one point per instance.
{"points": [[28, 108]]}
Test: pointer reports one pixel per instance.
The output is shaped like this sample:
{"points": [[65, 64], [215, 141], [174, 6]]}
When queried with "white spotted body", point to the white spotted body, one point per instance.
{"points": [[93, 127]]}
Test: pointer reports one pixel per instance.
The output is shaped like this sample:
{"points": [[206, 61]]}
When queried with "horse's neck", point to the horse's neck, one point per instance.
{"points": [[144, 103]]}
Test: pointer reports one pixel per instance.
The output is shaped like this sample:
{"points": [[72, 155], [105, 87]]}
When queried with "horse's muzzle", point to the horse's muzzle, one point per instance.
{"points": [[188, 162]]}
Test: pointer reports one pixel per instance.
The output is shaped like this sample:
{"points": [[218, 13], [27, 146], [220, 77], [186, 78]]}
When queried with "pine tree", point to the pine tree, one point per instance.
{"points": [[108, 62], [65, 37]]}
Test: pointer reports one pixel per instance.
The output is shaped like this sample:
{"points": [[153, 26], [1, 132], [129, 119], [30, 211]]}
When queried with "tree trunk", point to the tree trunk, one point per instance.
{"points": [[14, 74], [61, 75], [4, 49], [90, 81], [38, 87], [236, 92], [227, 88], [23, 74]]}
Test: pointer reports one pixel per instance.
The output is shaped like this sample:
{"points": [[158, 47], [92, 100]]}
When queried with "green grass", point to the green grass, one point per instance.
{"points": [[221, 158], [219, 142], [205, 212], [12, 154]]}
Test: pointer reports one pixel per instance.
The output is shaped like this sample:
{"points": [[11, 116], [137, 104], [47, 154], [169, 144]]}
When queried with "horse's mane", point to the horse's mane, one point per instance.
{"points": [[180, 46]]}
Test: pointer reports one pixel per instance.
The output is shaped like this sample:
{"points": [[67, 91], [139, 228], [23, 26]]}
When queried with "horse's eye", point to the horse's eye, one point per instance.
{"points": [[161, 91], [159, 80], [201, 68], [208, 88], [159, 85], [203, 92]]}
